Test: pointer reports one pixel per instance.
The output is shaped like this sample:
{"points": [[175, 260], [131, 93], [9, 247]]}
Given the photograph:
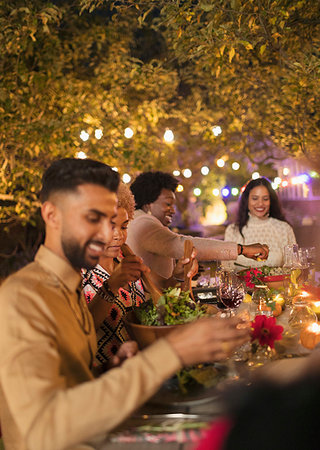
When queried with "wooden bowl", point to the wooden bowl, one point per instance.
{"points": [[145, 335]]}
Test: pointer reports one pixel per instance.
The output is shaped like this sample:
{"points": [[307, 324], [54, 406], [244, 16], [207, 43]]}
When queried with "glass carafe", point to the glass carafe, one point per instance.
{"points": [[292, 263]]}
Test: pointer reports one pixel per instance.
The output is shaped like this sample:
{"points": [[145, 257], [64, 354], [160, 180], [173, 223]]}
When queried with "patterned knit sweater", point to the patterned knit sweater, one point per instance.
{"points": [[112, 333], [273, 232]]}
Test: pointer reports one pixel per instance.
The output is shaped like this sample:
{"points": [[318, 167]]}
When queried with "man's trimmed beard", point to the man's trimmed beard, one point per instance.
{"points": [[76, 254]]}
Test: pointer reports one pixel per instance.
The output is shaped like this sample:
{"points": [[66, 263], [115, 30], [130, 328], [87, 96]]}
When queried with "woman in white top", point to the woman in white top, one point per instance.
{"points": [[260, 219]]}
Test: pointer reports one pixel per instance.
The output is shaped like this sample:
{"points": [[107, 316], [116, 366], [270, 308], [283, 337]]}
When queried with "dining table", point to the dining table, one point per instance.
{"points": [[178, 422]]}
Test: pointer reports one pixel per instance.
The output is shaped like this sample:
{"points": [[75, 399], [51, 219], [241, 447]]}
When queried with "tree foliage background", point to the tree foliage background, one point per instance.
{"points": [[250, 66]]}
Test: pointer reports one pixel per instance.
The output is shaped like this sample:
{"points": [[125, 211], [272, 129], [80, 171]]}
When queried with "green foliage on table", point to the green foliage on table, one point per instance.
{"points": [[205, 375], [173, 308]]}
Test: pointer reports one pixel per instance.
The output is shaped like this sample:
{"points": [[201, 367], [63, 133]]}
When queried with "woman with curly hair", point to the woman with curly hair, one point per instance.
{"points": [[159, 247], [260, 218], [113, 287]]}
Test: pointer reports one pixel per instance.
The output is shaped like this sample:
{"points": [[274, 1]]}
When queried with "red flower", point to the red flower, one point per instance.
{"points": [[253, 277], [266, 331]]}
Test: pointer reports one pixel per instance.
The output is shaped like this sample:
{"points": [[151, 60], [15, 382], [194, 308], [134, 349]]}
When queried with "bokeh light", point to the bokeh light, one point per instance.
{"points": [[220, 162], [235, 165], [197, 192], [205, 170], [225, 192], [179, 188], [126, 178], [128, 133], [215, 192], [234, 191], [168, 136], [216, 130], [98, 133], [81, 155], [187, 173], [84, 135], [286, 171]]}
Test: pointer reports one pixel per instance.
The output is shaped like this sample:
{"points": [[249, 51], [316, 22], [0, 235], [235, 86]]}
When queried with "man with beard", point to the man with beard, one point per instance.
{"points": [[49, 397]]}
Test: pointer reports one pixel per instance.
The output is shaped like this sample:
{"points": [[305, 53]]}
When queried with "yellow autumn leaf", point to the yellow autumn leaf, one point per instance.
{"points": [[262, 49], [232, 52], [218, 72]]}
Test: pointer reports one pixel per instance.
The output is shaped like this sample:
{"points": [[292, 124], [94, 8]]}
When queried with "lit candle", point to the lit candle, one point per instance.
{"points": [[315, 306], [310, 336]]}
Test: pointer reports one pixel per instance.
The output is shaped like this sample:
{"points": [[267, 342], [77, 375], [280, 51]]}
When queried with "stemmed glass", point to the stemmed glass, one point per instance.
{"points": [[230, 290]]}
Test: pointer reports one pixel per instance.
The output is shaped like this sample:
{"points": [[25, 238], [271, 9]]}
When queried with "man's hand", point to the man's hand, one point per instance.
{"points": [[126, 350], [129, 269], [178, 272], [256, 251], [208, 340]]}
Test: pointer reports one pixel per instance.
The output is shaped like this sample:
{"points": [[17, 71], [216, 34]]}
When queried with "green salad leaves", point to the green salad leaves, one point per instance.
{"points": [[174, 307]]}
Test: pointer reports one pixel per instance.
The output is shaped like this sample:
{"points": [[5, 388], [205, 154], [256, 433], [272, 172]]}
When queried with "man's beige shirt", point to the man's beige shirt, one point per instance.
{"points": [[49, 399]]}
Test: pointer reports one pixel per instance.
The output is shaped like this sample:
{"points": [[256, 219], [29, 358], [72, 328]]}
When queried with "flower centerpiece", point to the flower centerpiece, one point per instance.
{"points": [[268, 297], [253, 277], [264, 333]]}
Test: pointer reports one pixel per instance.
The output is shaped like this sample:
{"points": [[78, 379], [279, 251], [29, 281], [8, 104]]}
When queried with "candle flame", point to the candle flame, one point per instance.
{"points": [[314, 327]]}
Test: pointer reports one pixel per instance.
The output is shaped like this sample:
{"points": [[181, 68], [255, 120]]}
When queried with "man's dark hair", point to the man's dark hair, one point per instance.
{"points": [[67, 174], [147, 187]]}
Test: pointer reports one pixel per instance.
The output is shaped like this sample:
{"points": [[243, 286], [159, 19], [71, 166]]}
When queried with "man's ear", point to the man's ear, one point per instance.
{"points": [[50, 214], [146, 208]]}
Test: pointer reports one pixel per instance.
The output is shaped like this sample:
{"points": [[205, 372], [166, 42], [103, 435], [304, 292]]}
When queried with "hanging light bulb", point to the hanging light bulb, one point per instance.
{"points": [[98, 133], [126, 178], [225, 192], [216, 130], [215, 192], [197, 192], [187, 173], [220, 162], [286, 171], [176, 173], [84, 135], [255, 175], [179, 188], [81, 155], [205, 170], [235, 165], [128, 133], [168, 136], [234, 191]]}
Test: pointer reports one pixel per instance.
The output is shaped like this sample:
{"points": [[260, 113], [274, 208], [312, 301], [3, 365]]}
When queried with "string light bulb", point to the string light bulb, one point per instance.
{"points": [[205, 170], [176, 173], [84, 135], [235, 165], [128, 133], [216, 130], [197, 192], [179, 188], [81, 155], [126, 178], [220, 162], [168, 136], [98, 133], [187, 173]]}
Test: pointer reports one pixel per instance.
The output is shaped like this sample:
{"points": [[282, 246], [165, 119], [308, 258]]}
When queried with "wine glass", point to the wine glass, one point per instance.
{"points": [[230, 290]]}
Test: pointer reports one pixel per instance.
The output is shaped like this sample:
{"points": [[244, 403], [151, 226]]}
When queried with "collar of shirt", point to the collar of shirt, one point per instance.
{"points": [[61, 268]]}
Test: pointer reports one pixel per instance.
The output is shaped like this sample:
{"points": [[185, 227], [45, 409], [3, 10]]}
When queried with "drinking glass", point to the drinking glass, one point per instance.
{"points": [[303, 259], [310, 253], [231, 291]]}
